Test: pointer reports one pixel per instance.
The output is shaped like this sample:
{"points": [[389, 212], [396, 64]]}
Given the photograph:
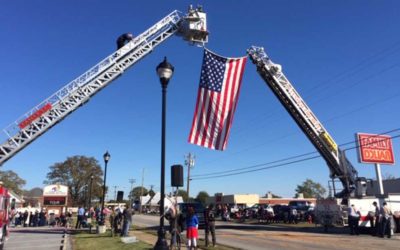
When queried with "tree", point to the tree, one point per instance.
{"points": [[184, 195], [34, 192], [75, 172], [12, 181], [311, 189], [31, 197], [137, 191], [202, 197], [152, 193]]}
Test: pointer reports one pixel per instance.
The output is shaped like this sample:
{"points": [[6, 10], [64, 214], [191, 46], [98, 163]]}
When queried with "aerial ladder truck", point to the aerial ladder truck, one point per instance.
{"points": [[19, 134], [331, 210]]}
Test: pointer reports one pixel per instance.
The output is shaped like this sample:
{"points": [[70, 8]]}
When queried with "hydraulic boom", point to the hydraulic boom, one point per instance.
{"points": [[337, 162], [192, 27]]}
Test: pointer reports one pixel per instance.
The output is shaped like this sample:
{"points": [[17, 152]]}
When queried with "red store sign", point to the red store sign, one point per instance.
{"points": [[375, 148]]}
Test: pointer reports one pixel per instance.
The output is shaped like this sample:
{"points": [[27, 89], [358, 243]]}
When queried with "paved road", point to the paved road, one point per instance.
{"points": [[254, 237], [43, 238]]}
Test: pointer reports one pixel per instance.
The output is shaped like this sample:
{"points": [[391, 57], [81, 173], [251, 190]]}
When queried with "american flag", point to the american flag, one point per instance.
{"points": [[217, 98]]}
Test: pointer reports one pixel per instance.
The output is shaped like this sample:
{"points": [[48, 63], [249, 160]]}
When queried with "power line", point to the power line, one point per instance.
{"points": [[258, 169], [328, 120], [340, 77], [250, 169]]}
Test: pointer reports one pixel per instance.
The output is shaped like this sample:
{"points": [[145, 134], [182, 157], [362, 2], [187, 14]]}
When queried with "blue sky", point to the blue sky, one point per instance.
{"points": [[341, 56]]}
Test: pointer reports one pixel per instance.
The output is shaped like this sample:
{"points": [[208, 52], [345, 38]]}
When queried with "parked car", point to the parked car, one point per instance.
{"points": [[304, 208], [266, 207], [300, 205], [198, 209]]}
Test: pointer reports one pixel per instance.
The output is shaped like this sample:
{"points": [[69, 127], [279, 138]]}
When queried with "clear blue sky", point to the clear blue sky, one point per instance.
{"points": [[341, 56]]}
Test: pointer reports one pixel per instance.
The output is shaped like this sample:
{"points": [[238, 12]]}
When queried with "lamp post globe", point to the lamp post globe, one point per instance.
{"points": [[164, 71], [106, 158]]}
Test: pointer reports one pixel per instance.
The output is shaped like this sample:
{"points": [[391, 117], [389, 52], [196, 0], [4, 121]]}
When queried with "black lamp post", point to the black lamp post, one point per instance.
{"points": [[164, 72], [106, 157], [90, 191]]}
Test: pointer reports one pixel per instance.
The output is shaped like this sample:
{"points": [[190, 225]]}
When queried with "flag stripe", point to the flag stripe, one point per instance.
{"points": [[225, 107], [195, 120], [238, 80], [230, 100], [217, 98]]}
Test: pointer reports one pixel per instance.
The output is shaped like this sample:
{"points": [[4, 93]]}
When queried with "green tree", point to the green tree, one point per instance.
{"points": [[311, 189], [137, 191], [152, 193], [202, 197], [12, 181], [184, 195], [34, 192], [76, 172]]}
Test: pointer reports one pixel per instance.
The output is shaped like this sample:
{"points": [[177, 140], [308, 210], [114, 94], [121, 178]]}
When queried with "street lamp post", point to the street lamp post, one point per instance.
{"points": [[106, 157], [164, 72], [90, 191]]}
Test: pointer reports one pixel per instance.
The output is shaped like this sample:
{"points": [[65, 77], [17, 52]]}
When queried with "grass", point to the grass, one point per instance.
{"points": [[84, 241]]}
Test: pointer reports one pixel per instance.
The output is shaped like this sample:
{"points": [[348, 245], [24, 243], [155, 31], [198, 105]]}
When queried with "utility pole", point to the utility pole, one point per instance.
{"points": [[115, 193], [131, 181], [189, 162], [141, 192]]}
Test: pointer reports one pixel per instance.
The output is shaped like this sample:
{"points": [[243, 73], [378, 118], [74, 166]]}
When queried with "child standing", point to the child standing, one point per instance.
{"points": [[192, 225]]}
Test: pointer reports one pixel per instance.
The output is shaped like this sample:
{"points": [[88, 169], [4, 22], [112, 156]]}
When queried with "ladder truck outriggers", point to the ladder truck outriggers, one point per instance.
{"points": [[331, 210], [191, 26]]}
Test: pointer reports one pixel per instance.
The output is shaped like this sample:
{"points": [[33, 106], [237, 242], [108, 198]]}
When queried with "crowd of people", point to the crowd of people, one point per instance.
{"points": [[267, 214], [38, 218], [119, 219], [380, 220], [188, 220]]}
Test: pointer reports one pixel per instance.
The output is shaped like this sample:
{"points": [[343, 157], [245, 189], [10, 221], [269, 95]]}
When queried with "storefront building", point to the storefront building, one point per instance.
{"points": [[55, 199]]}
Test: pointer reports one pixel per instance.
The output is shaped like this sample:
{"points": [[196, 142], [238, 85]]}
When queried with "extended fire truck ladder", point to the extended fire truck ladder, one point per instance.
{"points": [[192, 27], [337, 162]]}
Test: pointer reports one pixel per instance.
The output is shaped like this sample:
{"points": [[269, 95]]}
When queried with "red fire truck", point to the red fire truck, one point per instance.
{"points": [[4, 214]]}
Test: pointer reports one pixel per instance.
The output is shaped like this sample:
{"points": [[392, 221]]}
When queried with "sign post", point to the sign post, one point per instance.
{"points": [[379, 178], [375, 149]]}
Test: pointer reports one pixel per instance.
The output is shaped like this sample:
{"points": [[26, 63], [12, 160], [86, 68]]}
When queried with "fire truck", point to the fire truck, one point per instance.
{"points": [[4, 214], [192, 27], [332, 210]]}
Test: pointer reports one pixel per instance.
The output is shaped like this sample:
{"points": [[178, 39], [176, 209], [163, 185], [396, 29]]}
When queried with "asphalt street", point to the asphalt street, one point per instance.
{"points": [[27, 238], [285, 237]]}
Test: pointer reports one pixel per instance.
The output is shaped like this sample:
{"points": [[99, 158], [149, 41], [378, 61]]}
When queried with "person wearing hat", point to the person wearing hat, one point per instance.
{"points": [[124, 39]]}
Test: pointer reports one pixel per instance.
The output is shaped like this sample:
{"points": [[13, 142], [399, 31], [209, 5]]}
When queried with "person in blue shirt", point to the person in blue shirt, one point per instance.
{"points": [[192, 225], [81, 215]]}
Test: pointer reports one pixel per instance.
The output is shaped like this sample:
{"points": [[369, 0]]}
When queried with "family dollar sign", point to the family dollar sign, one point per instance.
{"points": [[375, 148]]}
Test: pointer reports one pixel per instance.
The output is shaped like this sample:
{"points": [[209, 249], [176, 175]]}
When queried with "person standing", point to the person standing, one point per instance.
{"points": [[81, 214], [209, 217], [376, 220], [123, 39], [354, 218], [192, 225], [127, 214], [386, 220]]}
